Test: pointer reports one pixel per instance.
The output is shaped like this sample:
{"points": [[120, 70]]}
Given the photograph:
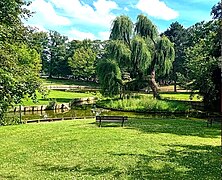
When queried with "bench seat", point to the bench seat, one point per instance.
{"points": [[212, 119], [111, 119]]}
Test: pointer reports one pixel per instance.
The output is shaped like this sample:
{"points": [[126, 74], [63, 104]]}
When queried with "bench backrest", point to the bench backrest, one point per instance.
{"points": [[111, 118]]}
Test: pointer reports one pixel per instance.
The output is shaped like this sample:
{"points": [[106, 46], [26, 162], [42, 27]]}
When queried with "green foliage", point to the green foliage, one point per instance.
{"points": [[138, 54], [19, 63], [177, 35], [141, 56], [122, 29], [165, 56], [57, 62], [109, 75], [51, 105], [202, 68], [19, 75], [147, 148], [120, 52], [145, 28], [83, 63], [216, 11], [146, 104]]}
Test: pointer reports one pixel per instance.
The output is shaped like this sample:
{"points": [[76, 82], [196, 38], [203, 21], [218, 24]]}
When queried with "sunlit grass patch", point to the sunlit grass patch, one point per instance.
{"points": [[59, 96], [160, 148]]}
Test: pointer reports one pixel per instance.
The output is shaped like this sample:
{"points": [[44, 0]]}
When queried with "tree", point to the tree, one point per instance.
{"points": [[57, 64], [216, 11], [140, 53], [39, 41], [19, 63], [109, 74], [177, 34], [202, 68], [83, 63]]}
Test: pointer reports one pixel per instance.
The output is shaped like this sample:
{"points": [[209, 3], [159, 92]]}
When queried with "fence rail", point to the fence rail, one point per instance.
{"points": [[48, 119]]}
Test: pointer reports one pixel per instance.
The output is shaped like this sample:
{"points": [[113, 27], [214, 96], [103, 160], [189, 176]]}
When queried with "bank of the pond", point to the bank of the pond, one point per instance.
{"points": [[56, 95], [147, 105]]}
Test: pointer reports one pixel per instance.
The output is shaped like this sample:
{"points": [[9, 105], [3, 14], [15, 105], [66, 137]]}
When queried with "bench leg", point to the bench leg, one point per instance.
{"points": [[209, 122], [100, 122], [122, 122]]}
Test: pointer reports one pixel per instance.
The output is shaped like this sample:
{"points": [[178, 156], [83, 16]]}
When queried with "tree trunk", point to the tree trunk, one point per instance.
{"points": [[175, 86], [153, 85]]}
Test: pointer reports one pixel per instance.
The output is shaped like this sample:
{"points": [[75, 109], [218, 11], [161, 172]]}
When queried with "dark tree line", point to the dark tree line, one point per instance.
{"points": [[63, 58], [198, 50]]}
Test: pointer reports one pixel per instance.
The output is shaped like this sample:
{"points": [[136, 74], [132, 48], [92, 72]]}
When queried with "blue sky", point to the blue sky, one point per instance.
{"points": [[81, 19]]}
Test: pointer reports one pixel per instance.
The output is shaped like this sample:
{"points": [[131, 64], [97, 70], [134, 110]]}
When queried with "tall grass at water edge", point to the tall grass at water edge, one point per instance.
{"points": [[143, 103]]}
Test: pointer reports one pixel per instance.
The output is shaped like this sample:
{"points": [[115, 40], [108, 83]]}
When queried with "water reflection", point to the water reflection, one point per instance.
{"points": [[83, 111]]}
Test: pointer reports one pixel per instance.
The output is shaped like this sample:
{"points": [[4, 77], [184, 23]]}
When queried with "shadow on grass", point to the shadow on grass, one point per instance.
{"points": [[94, 171], [58, 100], [8, 177], [70, 82], [179, 162], [176, 126], [192, 162]]}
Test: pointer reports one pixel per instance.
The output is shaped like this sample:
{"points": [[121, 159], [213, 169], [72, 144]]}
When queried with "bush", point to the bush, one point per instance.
{"points": [[51, 105], [10, 120]]}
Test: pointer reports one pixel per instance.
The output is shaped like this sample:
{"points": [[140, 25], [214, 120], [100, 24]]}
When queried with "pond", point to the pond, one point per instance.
{"points": [[82, 112]]}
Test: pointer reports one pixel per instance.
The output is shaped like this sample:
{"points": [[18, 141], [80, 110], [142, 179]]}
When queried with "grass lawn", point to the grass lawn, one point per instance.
{"points": [[143, 149], [60, 96], [52, 81], [180, 96]]}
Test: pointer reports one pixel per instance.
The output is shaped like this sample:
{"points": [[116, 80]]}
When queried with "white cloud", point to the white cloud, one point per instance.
{"points": [[99, 15], [157, 9], [104, 35], [79, 35], [45, 14], [126, 9]]}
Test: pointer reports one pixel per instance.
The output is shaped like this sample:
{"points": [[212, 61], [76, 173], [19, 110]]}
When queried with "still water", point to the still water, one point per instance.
{"points": [[81, 112]]}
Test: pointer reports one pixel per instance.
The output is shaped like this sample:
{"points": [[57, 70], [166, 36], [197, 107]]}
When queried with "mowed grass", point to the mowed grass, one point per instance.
{"points": [[53, 81], [163, 148], [181, 96], [59, 96]]}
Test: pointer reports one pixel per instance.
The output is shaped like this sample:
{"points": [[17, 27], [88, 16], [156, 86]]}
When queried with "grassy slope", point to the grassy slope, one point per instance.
{"points": [[143, 149], [60, 96]]}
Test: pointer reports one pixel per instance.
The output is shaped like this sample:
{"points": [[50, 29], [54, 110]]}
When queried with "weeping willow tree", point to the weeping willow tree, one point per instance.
{"points": [[109, 75], [137, 50]]}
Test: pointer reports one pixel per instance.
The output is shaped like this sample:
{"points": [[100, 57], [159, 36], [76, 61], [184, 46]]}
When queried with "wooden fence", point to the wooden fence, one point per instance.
{"points": [[49, 119]]}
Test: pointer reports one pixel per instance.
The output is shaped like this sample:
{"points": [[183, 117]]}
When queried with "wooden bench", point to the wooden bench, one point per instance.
{"points": [[111, 119], [212, 119]]}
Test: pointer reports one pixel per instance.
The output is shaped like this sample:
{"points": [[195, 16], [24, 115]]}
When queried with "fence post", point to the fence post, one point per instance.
{"points": [[20, 113]]}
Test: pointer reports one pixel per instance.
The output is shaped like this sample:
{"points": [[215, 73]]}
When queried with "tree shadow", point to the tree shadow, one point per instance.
{"points": [[92, 171], [59, 100], [178, 162], [2, 177], [187, 127], [192, 162]]}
